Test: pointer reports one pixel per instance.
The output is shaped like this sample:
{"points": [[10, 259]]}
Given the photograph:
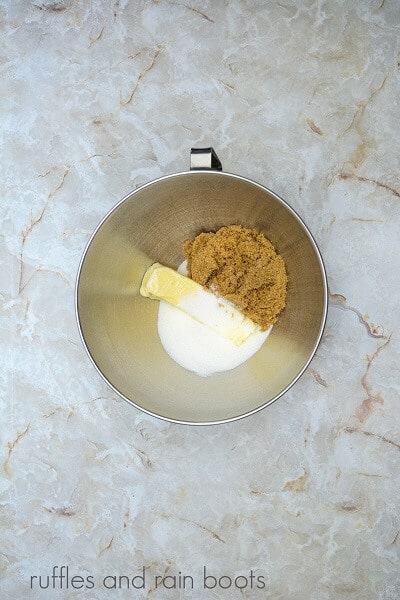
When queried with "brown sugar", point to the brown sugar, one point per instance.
{"points": [[241, 265]]}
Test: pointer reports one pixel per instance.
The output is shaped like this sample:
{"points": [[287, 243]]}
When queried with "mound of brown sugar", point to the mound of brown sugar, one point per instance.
{"points": [[241, 265]]}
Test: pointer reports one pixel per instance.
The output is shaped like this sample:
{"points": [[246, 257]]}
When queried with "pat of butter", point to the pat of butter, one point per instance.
{"points": [[163, 283], [217, 313]]}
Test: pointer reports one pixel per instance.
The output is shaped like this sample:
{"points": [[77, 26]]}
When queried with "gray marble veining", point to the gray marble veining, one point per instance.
{"points": [[101, 97]]}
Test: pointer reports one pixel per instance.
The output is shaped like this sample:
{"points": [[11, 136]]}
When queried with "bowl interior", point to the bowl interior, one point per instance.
{"points": [[119, 327]]}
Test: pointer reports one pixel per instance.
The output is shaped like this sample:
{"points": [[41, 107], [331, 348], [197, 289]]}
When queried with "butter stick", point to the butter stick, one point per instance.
{"points": [[217, 313]]}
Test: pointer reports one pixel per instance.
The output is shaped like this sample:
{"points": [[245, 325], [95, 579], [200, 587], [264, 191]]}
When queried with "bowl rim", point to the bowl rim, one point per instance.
{"points": [[324, 283]]}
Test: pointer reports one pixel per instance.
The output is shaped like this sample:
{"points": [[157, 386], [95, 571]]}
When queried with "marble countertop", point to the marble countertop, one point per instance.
{"points": [[300, 500]]}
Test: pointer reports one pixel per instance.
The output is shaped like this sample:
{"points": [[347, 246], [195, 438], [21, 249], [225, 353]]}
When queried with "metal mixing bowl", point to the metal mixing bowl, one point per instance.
{"points": [[119, 327]]}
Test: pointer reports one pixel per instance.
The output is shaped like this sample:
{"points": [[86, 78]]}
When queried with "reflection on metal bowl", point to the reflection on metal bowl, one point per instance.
{"points": [[119, 327]]}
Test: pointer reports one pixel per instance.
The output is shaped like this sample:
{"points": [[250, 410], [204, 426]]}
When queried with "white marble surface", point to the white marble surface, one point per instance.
{"points": [[101, 96]]}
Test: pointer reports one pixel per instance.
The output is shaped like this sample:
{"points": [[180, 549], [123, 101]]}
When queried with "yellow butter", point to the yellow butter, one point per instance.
{"points": [[163, 283], [220, 315]]}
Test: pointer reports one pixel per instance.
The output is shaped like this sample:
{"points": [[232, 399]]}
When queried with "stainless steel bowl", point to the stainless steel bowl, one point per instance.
{"points": [[119, 327]]}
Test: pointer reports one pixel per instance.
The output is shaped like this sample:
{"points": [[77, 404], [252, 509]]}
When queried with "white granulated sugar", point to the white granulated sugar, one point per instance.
{"points": [[198, 348]]}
